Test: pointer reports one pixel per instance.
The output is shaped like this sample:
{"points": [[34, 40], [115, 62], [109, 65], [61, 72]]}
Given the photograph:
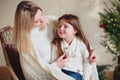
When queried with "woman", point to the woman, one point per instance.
{"points": [[32, 37], [28, 25]]}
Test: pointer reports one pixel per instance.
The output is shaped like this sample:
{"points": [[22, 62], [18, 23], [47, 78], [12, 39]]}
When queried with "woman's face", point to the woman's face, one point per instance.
{"points": [[65, 30], [39, 19]]}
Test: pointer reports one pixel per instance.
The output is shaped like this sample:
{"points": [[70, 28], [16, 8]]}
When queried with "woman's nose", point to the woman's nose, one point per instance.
{"points": [[42, 20]]}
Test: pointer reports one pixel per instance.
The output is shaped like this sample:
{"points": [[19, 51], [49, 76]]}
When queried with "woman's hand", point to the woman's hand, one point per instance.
{"points": [[61, 61], [92, 57]]}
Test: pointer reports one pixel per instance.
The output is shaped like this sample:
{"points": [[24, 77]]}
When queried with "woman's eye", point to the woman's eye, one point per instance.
{"points": [[37, 21], [42, 14]]}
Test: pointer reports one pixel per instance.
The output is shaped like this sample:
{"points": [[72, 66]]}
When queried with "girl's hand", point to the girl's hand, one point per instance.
{"points": [[61, 61], [92, 58]]}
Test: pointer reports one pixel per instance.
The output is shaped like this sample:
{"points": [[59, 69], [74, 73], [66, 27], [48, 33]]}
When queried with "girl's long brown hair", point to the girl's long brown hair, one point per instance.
{"points": [[23, 23], [75, 22]]}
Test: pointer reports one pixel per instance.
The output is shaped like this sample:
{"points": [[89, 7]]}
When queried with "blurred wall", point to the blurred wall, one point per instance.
{"points": [[87, 10]]}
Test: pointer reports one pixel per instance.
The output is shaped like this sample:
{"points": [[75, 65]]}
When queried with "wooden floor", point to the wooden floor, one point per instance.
{"points": [[4, 73], [109, 75]]}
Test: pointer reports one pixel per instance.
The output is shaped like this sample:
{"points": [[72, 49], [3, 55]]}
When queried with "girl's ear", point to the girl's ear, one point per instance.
{"points": [[75, 31]]}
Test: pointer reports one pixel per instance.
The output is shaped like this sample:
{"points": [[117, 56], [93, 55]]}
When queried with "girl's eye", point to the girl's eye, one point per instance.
{"points": [[65, 26], [59, 26]]}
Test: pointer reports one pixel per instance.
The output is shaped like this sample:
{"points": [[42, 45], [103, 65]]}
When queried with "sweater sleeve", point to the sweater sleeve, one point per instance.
{"points": [[53, 67], [53, 56], [53, 70], [87, 66]]}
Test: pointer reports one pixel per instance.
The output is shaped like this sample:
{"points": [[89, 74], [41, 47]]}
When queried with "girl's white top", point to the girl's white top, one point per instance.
{"points": [[77, 58]]}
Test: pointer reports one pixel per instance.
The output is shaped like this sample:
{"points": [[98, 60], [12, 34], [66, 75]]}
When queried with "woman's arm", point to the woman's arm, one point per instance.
{"points": [[87, 66], [92, 57], [53, 70]]}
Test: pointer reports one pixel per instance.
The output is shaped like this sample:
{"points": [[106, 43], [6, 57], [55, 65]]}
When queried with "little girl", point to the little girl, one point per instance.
{"points": [[72, 43]]}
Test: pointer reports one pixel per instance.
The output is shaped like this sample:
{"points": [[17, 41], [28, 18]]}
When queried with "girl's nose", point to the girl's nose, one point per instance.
{"points": [[62, 28], [41, 20]]}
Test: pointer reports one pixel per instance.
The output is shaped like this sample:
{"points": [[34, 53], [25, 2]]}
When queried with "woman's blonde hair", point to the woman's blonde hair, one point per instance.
{"points": [[23, 23]]}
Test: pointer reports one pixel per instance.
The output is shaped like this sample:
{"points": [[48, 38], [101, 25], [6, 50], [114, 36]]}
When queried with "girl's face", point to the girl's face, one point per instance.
{"points": [[39, 19], [65, 30]]}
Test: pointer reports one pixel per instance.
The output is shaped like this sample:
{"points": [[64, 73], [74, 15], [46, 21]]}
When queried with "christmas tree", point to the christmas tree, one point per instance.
{"points": [[110, 21]]}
